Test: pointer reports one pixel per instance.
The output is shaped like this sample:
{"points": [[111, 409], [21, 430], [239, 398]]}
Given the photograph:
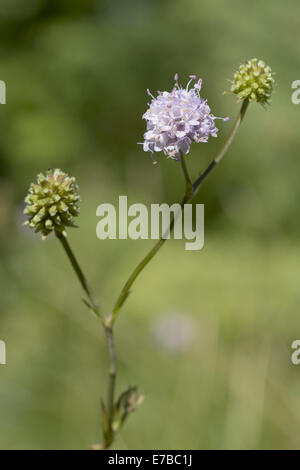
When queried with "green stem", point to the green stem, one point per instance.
{"points": [[189, 184], [126, 289], [190, 192], [112, 374], [108, 327], [235, 128], [93, 303]]}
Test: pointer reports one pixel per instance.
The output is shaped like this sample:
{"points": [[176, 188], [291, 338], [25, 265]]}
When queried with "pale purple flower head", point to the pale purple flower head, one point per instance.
{"points": [[176, 119]]}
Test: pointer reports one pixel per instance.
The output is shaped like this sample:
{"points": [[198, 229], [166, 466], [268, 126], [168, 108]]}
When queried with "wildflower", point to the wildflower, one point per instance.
{"points": [[52, 202], [253, 81], [176, 119]]}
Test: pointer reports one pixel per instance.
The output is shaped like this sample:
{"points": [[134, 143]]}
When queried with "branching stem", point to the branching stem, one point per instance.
{"points": [[190, 192]]}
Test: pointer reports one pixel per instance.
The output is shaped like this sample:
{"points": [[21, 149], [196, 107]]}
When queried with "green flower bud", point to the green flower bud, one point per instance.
{"points": [[253, 81], [52, 202]]}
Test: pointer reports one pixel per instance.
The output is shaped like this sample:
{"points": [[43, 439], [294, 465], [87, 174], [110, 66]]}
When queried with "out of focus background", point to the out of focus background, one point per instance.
{"points": [[207, 335]]}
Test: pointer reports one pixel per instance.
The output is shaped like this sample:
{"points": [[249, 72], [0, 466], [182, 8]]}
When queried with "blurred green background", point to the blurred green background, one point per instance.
{"points": [[207, 335]]}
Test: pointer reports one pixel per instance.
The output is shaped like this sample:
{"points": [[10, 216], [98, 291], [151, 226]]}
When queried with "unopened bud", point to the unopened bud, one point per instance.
{"points": [[52, 202]]}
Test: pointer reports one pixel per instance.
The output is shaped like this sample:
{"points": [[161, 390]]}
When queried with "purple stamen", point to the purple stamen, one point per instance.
{"points": [[198, 84]]}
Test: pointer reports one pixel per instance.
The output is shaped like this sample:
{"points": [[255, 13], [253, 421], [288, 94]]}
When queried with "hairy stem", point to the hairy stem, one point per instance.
{"points": [[190, 192]]}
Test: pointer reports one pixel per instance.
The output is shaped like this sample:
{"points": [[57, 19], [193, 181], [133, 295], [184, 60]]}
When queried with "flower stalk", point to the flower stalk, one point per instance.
{"points": [[189, 184], [190, 192], [92, 302], [218, 158], [112, 374]]}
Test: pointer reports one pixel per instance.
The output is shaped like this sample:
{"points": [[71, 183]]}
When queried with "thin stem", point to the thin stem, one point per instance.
{"points": [[112, 377], [190, 192], [189, 184], [108, 327], [93, 303], [126, 289], [224, 149]]}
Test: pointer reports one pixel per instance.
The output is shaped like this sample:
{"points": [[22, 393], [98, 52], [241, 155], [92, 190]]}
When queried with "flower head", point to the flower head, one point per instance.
{"points": [[176, 119], [253, 81], [52, 202]]}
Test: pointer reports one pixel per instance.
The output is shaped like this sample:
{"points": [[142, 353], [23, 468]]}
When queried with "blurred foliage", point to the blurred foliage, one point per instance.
{"points": [[76, 74]]}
